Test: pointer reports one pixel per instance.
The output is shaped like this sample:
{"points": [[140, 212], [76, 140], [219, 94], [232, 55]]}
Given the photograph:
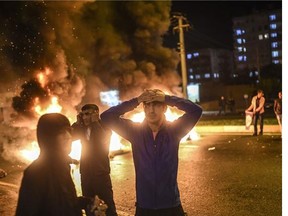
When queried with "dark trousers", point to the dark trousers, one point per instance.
{"points": [[100, 185], [259, 117], [175, 211]]}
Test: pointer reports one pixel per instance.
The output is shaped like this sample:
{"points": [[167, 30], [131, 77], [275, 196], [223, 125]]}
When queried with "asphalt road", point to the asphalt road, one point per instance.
{"points": [[219, 175]]}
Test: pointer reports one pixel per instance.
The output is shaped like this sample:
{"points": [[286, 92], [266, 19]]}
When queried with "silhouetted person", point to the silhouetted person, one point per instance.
{"points": [[222, 105], [47, 188], [94, 162], [155, 145], [278, 109], [257, 106]]}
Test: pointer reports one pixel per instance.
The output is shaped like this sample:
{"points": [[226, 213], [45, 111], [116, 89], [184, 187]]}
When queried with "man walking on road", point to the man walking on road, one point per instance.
{"points": [[155, 145]]}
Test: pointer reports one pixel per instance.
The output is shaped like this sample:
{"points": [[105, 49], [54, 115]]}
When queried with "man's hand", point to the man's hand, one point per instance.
{"points": [[151, 95]]}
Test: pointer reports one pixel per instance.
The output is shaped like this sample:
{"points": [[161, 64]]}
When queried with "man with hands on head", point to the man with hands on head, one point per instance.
{"points": [[155, 145]]}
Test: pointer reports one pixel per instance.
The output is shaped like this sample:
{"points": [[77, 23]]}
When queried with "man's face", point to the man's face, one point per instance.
{"points": [[64, 141], [260, 94], [154, 112], [280, 95], [89, 116]]}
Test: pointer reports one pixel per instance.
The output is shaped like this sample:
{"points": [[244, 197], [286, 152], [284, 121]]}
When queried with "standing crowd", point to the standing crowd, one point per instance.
{"points": [[47, 187]]}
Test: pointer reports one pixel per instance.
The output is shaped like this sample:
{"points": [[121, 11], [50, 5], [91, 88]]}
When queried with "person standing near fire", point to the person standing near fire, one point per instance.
{"points": [[94, 162], [257, 107], [155, 145], [278, 109], [47, 188]]}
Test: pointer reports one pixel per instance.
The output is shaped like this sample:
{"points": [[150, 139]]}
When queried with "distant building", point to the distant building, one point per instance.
{"points": [[209, 65], [257, 40]]}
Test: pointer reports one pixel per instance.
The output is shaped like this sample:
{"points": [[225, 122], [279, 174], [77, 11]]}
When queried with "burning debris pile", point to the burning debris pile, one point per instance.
{"points": [[66, 53]]}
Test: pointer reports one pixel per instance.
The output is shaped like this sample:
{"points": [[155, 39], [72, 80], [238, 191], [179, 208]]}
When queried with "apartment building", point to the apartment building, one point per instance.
{"points": [[257, 40]]}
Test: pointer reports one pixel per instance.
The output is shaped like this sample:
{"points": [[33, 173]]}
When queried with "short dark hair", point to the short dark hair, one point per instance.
{"points": [[260, 91], [90, 106]]}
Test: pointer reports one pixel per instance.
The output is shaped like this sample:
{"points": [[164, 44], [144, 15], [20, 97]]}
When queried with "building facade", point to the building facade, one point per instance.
{"points": [[208, 64], [257, 40]]}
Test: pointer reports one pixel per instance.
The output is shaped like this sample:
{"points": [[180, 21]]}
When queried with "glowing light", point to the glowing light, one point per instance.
{"points": [[138, 117], [42, 77], [115, 142], [76, 150], [31, 153], [54, 107]]}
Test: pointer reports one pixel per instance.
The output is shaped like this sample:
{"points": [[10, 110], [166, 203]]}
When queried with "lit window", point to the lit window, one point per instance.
{"points": [[207, 75], [244, 49], [240, 49], [266, 35], [273, 26], [272, 17], [260, 37], [216, 75], [191, 70], [243, 31], [256, 73], [244, 40], [189, 56], [275, 61], [197, 76], [238, 31], [251, 74], [274, 35], [275, 53], [195, 54], [191, 77], [239, 40], [242, 58], [274, 44]]}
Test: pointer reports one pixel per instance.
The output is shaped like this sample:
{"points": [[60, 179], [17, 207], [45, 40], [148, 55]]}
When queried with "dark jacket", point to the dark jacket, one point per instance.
{"points": [[156, 161], [95, 152], [47, 189]]}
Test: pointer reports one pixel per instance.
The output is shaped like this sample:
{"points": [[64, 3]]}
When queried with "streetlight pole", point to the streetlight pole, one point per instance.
{"points": [[182, 51]]}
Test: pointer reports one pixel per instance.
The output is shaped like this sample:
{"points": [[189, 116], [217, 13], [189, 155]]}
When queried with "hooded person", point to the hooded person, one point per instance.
{"points": [[47, 187]]}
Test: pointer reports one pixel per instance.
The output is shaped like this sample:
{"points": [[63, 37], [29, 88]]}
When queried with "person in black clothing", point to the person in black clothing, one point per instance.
{"points": [[222, 105], [47, 188], [278, 109], [94, 162]]}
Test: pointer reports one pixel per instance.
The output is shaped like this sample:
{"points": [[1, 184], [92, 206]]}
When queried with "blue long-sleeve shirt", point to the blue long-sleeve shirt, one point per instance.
{"points": [[156, 161]]}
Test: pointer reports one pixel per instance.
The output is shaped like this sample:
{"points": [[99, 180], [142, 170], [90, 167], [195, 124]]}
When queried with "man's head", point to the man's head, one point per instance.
{"points": [[54, 134], [90, 113], [280, 95], [154, 111], [260, 93]]}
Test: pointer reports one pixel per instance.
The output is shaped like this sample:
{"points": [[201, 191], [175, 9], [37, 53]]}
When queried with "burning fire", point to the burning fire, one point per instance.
{"points": [[32, 152], [54, 107]]}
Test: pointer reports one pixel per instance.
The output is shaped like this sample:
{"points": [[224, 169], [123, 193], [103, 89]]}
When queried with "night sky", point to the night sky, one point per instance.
{"points": [[211, 21]]}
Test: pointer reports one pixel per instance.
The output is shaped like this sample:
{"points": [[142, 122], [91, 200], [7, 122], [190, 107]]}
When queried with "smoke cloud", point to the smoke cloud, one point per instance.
{"points": [[117, 42]]}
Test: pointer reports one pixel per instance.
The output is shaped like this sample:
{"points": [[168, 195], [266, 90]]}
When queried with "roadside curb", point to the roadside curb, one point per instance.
{"points": [[227, 129]]}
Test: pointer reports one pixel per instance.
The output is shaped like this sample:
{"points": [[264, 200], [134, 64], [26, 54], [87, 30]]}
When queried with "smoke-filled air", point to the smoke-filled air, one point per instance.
{"points": [[67, 52]]}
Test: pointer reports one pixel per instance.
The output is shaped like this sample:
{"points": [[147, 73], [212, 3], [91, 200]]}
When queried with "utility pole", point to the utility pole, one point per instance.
{"points": [[181, 25], [258, 63]]}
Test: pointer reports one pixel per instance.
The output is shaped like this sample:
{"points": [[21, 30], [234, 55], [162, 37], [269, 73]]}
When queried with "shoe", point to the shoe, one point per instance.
{"points": [[254, 134]]}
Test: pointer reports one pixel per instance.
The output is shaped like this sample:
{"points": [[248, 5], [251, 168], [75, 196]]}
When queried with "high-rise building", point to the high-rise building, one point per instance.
{"points": [[257, 40], [209, 65]]}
